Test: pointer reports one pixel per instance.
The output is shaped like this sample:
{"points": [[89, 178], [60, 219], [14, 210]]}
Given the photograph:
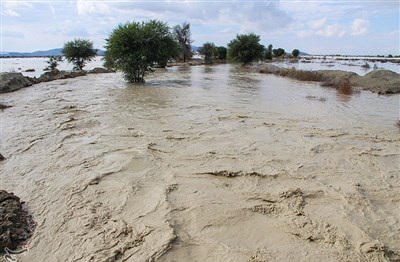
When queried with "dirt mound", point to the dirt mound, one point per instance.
{"points": [[16, 225], [379, 81], [13, 81]]}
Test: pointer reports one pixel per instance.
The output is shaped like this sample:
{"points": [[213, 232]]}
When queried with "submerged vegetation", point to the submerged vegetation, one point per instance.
{"points": [[208, 50], [397, 124], [79, 52], [184, 37], [53, 63], [245, 48], [136, 48]]}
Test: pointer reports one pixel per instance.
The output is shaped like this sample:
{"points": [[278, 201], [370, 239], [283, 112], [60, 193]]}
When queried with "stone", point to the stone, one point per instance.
{"points": [[13, 81]]}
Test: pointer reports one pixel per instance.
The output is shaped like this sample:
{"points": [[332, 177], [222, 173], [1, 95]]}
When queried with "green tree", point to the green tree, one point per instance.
{"points": [[222, 51], [245, 48], [78, 52], [184, 38], [295, 53], [136, 48], [278, 52], [53, 63], [268, 52], [208, 51]]}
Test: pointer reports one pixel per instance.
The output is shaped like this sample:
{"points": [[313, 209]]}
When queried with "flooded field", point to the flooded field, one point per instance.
{"points": [[358, 65], [354, 64], [39, 64], [204, 164]]}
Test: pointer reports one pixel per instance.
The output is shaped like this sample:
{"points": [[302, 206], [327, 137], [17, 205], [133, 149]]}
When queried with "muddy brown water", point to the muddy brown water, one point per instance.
{"points": [[204, 164]]}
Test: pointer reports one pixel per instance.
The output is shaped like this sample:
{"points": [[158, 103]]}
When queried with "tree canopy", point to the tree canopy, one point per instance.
{"points": [[295, 52], [208, 50], [53, 63], [78, 52], [222, 51], [136, 48], [245, 48], [184, 38], [278, 52]]}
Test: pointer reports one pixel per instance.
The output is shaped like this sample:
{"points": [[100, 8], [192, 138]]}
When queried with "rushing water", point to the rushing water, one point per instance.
{"points": [[206, 163]]}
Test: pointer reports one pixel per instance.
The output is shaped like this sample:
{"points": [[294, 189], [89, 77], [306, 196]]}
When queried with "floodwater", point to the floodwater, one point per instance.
{"points": [[355, 64], [39, 63], [317, 63], [203, 163]]}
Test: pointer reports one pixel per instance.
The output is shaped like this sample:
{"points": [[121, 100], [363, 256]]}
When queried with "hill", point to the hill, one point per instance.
{"points": [[54, 52]]}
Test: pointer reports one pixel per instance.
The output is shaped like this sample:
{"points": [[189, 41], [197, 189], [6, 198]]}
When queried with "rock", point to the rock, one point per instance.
{"points": [[57, 74], [16, 225], [268, 69], [2, 157], [100, 70], [13, 81], [30, 70]]}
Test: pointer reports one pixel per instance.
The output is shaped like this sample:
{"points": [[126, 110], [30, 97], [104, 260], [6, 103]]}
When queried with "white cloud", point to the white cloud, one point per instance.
{"points": [[9, 8], [332, 30], [52, 10], [359, 26], [87, 8], [11, 12], [317, 24], [258, 17]]}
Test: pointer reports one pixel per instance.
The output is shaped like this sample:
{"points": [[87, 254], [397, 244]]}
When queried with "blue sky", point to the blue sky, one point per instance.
{"points": [[317, 27]]}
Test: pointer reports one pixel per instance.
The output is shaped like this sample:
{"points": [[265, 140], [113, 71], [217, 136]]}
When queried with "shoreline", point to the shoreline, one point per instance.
{"points": [[377, 81]]}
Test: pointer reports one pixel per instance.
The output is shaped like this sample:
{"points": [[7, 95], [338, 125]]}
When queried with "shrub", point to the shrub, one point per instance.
{"points": [[279, 52], [78, 52], [245, 48], [295, 53], [136, 48], [53, 63], [397, 124], [222, 51], [208, 51]]}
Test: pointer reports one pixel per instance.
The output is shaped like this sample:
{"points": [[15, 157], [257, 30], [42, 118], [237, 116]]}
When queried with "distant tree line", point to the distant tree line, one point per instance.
{"points": [[136, 48]]}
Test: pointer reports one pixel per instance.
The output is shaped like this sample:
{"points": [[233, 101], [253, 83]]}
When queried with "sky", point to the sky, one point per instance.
{"points": [[316, 27]]}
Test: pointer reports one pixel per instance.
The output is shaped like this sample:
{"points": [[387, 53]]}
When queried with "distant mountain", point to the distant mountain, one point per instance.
{"points": [[304, 54], [50, 52]]}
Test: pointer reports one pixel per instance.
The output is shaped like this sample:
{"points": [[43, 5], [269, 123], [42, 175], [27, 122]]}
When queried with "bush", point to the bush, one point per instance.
{"points": [[278, 52], [245, 48], [208, 51], [78, 52], [136, 48], [295, 53], [397, 124], [222, 51], [53, 63]]}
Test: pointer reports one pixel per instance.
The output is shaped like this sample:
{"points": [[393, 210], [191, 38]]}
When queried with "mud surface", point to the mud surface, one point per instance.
{"points": [[204, 164], [16, 225], [377, 81]]}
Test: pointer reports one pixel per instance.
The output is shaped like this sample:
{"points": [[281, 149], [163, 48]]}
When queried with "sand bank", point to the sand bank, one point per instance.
{"points": [[377, 81]]}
